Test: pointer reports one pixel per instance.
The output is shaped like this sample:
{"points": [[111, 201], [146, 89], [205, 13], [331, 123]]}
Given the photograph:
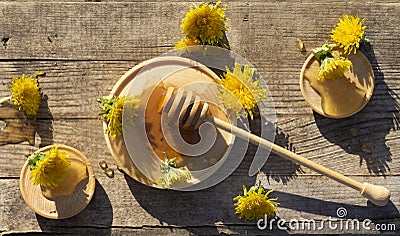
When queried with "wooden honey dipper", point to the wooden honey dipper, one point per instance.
{"points": [[193, 112]]}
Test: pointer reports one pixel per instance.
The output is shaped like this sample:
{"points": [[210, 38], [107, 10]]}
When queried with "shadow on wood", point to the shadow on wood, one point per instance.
{"points": [[96, 218], [364, 133], [204, 208], [16, 126], [329, 208], [276, 168], [44, 123], [19, 127]]}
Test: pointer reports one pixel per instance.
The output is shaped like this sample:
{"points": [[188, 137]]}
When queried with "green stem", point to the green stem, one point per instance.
{"points": [[5, 99], [364, 39], [325, 56]]}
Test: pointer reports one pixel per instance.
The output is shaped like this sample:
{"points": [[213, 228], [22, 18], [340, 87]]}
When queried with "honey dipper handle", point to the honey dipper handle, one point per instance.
{"points": [[378, 195]]}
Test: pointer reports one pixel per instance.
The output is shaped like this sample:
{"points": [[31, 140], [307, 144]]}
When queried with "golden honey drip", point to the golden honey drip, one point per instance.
{"points": [[159, 145]]}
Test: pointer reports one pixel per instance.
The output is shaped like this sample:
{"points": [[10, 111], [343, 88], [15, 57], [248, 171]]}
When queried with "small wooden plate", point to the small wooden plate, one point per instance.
{"points": [[360, 73], [65, 206]]}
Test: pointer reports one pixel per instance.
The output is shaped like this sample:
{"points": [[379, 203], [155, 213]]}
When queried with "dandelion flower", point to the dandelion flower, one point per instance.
{"points": [[25, 94], [172, 176], [330, 68], [112, 110], [205, 22], [114, 117], [49, 170], [333, 68], [348, 33], [186, 42], [255, 204], [324, 51], [241, 92]]}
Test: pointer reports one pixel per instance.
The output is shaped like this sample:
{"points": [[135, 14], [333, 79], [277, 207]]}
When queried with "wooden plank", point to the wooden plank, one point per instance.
{"points": [[203, 230], [300, 135], [194, 1], [85, 135], [123, 203], [72, 88], [131, 31]]}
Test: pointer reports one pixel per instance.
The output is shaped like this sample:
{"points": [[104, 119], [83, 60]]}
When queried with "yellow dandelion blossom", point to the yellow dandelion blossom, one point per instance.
{"points": [[49, 170], [241, 92], [255, 204], [172, 176], [348, 33], [205, 22], [186, 42], [333, 68], [112, 110], [114, 117], [26, 94]]}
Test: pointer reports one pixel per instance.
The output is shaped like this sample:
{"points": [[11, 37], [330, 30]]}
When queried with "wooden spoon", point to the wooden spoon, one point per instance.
{"points": [[196, 113]]}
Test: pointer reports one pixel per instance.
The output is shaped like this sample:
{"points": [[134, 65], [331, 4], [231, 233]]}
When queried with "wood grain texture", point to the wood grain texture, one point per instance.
{"points": [[69, 83], [84, 47], [128, 204], [130, 31], [338, 149]]}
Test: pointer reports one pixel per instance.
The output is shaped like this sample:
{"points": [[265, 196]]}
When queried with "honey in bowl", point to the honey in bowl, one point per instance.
{"points": [[159, 144], [342, 97]]}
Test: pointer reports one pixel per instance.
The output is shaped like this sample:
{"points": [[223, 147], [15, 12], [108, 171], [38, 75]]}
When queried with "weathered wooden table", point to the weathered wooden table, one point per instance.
{"points": [[84, 47]]}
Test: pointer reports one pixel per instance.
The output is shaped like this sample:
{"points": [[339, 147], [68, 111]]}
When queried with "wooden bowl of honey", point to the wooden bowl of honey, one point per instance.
{"points": [[140, 150]]}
